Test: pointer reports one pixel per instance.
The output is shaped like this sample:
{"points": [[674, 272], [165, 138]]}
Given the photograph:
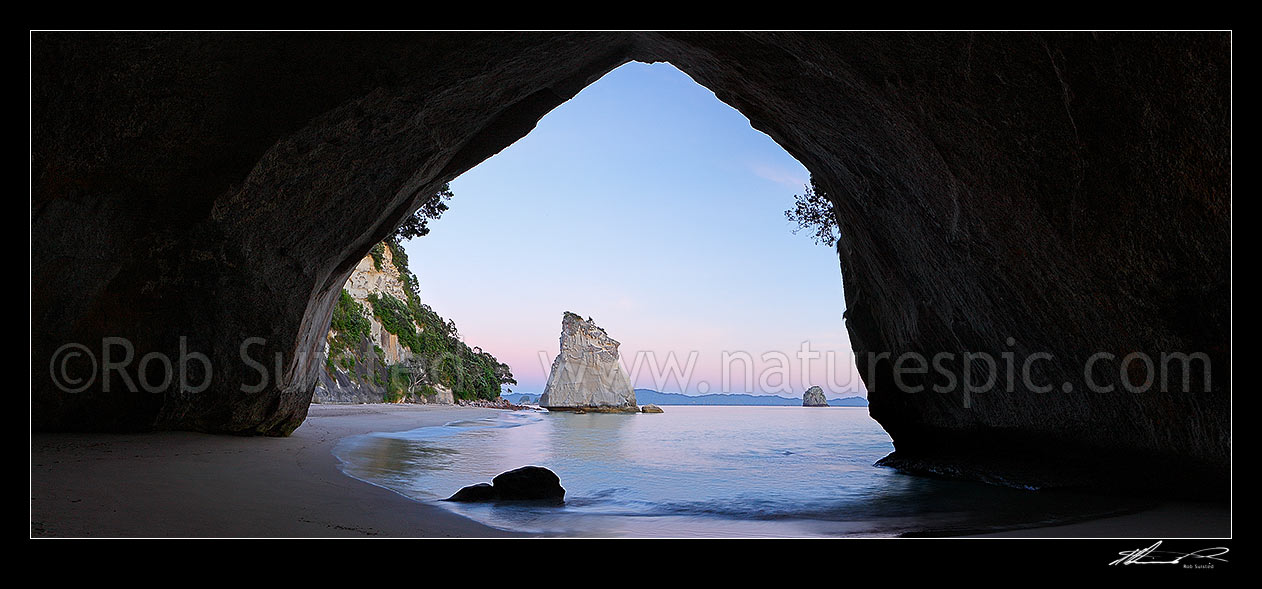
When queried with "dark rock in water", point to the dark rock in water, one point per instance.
{"points": [[528, 483], [650, 408], [478, 492]]}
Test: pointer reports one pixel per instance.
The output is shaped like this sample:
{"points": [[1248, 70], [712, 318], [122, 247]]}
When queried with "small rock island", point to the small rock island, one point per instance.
{"points": [[586, 375], [814, 397], [528, 483]]}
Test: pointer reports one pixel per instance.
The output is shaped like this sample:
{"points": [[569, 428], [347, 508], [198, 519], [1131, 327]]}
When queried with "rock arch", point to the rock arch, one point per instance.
{"points": [[1067, 193]]}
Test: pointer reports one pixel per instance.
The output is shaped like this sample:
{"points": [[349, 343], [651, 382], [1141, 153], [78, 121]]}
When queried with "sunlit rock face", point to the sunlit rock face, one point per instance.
{"points": [[1024, 193], [586, 375], [366, 280]]}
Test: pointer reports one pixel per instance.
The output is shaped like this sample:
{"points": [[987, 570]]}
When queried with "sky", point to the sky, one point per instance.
{"points": [[650, 206]]}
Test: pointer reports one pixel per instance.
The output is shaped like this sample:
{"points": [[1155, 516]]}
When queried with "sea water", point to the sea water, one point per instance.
{"points": [[710, 471]]}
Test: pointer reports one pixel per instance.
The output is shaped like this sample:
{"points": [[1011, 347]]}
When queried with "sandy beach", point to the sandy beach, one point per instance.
{"points": [[182, 484]]}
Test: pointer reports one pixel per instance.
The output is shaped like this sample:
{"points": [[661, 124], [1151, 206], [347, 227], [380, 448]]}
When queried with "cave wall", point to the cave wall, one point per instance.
{"points": [[1065, 192]]}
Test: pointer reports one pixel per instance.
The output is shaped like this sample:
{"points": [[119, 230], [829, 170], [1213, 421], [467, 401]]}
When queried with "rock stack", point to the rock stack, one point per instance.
{"points": [[586, 375], [814, 397]]}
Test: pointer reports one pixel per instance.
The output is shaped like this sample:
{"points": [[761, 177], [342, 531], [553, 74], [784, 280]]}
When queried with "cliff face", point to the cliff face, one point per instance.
{"points": [[1063, 194], [365, 360], [586, 374], [377, 274]]}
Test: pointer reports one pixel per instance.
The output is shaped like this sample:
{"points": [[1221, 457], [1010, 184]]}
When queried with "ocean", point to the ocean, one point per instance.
{"points": [[708, 471]]}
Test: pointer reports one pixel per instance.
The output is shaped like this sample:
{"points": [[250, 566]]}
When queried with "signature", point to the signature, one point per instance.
{"points": [[1151, 555]]}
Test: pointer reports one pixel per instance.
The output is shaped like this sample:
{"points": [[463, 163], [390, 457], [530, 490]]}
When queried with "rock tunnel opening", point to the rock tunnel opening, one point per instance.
{"points": [[650, 205], [1066, 192]]}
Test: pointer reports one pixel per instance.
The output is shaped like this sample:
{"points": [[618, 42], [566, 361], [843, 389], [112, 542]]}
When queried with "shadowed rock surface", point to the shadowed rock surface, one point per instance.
{"points": [[1023, 193], [528, 483], [477, 492]]}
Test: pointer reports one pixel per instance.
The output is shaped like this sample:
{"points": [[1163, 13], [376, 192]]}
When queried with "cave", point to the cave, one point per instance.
{"points": [[200, 197]]}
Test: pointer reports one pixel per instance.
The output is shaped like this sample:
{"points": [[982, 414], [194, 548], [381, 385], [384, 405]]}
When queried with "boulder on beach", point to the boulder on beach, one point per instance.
{"points": [[478, 492], [586, 375], [650, 408], [814, 397], [528, 483]]}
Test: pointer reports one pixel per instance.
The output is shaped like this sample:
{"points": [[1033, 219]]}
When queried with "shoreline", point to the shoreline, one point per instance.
{"points": [[184, 484]]}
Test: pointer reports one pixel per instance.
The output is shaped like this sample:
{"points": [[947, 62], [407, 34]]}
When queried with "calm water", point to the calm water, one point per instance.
{"points": [[698, 471]]}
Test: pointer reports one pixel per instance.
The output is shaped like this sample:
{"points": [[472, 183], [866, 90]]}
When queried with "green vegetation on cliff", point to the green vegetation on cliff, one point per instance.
{"points": [[440, 356], [378, 255], [349, 326], [469, 372]]}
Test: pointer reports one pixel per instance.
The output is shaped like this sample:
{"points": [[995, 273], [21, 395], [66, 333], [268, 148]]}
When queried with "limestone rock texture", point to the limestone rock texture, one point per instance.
{"points": [[366, 279], [814, 397], [1061, 194], [586, 374], [339, 385]]}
